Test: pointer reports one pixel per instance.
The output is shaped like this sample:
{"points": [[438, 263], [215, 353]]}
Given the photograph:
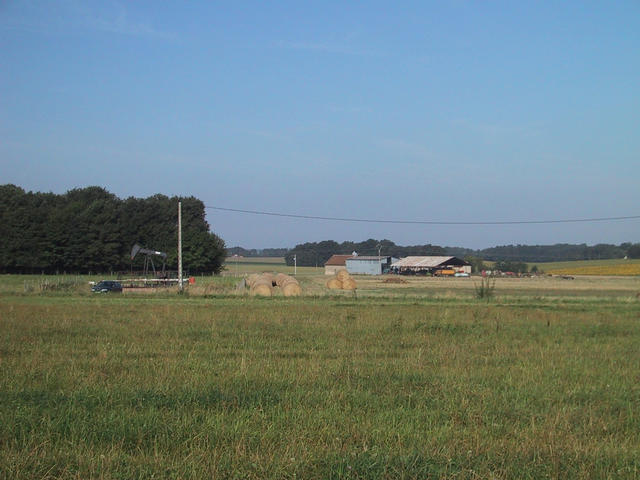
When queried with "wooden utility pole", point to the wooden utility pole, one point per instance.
{"points": [[180, 245]]}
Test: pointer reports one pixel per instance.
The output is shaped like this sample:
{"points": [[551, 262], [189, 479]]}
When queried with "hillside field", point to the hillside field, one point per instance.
{"points": [[410, 380]]}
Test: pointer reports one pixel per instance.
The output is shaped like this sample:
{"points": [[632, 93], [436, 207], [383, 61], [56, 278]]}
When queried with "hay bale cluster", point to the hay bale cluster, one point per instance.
{"points": [[263, 284], [341, 281]]}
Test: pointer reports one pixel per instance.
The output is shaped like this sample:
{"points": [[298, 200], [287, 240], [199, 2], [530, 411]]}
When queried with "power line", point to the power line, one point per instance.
{"points": [[425, 222]]}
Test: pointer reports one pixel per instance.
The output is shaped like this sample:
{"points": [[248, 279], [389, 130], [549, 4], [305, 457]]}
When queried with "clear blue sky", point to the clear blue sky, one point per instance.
{"points": [[454, 111]]}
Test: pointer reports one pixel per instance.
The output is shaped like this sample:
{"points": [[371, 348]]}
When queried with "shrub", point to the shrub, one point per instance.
{"points": [[486, 288]]}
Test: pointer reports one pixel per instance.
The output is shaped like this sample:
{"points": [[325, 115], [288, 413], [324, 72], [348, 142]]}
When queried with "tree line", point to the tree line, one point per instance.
{"points": [[92, 230], [257, 252], [317, 253]]}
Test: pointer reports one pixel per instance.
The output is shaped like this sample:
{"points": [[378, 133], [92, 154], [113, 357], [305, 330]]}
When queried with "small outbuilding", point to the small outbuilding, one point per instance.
{"points": [[335, 264], [436, 265], [369, 265]]}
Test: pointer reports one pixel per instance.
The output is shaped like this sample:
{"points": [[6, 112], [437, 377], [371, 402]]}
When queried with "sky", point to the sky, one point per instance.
{"points": [[452, 111]]}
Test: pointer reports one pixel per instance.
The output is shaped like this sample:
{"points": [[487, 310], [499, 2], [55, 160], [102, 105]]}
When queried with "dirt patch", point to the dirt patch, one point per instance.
{"points": [[394, 280]]}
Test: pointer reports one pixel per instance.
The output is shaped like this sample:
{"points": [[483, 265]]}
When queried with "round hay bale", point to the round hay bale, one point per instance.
{"points": [[262, 290], [261, 281], [342, 275], [270, 277], [280, 278], [334, 284], [288, 281], [292, 290], [349, 284], [251, 279]]}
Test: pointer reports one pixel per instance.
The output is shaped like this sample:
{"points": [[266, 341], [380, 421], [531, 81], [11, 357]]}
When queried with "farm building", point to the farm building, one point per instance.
{"points": [[335, 264], [369, 265], [430, 266]]}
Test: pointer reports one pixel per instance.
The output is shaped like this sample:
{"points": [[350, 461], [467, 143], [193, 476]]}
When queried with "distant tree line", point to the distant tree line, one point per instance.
{"points": [[317, 253], [257, 252], [510, 266], [92, 230], [512, 258]]}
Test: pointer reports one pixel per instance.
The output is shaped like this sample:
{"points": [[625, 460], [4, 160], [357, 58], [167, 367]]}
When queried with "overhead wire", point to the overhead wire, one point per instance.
{"points": [[425, 222]]}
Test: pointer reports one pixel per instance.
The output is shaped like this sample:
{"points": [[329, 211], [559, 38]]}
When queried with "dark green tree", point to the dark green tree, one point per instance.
{"points": [[477, 264], [510, 266], [634, 251], [91, 230]]}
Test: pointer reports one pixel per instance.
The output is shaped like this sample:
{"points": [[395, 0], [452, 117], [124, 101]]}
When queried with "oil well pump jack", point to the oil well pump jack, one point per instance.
{"points": [[148, 260]]}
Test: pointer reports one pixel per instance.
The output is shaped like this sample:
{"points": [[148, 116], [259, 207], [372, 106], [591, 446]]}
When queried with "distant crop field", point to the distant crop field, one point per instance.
{"points": [[247, 265], [593, 267], [318, 387]]}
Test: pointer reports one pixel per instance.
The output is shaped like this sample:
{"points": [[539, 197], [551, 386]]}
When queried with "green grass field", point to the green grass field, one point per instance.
{"points": [[417, 380], [247, 265]]}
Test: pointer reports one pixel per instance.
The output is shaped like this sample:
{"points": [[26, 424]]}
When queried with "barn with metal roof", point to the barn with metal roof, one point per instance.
{"points": [[369, 265], [430, 265]]}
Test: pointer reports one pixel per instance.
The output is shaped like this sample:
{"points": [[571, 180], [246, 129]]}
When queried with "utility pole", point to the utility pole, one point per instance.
{"points": [[180, 245], [295, 265]]}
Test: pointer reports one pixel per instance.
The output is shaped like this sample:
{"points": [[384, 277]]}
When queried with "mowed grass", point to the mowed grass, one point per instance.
{"points": [[237, 387], [313, 283]]}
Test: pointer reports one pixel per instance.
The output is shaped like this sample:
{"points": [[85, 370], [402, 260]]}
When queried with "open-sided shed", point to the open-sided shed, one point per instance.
{"points": [[430, 265]]}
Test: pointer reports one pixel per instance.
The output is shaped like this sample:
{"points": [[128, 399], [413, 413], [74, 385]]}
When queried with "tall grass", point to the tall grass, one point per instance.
{"points": [[113, 387], [485, 288]]}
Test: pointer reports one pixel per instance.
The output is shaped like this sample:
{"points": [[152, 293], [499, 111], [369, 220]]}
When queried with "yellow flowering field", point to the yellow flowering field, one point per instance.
{"points": [[612, 269]]}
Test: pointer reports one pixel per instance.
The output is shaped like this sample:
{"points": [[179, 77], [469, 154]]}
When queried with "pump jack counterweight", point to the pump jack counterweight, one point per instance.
{"points": [[148, 259]]}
